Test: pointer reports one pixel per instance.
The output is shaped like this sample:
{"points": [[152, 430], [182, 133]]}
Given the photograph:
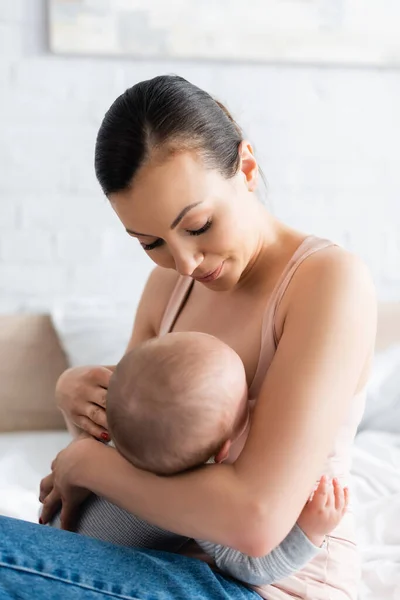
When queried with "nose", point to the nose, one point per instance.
{"points": [[186, 262]]}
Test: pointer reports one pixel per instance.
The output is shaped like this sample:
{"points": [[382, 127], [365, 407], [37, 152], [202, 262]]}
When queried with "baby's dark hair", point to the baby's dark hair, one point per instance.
{"points": [[166, 114], [172, 402]]}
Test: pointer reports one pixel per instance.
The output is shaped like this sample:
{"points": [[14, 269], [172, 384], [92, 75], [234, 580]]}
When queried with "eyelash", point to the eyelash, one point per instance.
{"points": [[160, 242]]}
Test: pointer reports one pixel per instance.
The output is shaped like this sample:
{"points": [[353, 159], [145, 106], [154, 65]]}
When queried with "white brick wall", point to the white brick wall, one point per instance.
{"points": [[328, 141]]}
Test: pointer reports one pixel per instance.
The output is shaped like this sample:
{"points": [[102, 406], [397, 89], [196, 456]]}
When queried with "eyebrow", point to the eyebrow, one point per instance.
{"points": [[174, 224]]}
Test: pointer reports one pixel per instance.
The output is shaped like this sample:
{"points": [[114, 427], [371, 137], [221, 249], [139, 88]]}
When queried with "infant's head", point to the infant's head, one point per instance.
{"points": [[174, 401]]}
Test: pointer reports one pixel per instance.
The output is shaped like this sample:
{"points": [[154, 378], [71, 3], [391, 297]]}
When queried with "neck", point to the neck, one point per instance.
{"points": [[264, 249], [275, 244]]}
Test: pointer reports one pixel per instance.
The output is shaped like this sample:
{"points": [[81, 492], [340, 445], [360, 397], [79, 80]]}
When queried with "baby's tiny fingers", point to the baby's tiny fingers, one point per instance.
{"points": [[320, 493], [323, 485], [330, 495], [339, 495], [346, 499]]}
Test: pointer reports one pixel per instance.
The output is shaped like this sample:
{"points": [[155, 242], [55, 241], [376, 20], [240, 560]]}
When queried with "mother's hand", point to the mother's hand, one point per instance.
{"points": [[81, 397], [60, 489]]}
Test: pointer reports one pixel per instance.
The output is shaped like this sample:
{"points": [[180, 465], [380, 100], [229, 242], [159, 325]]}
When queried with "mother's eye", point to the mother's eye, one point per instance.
{"points": [[203, 229], [155, 244], [160, 242]]}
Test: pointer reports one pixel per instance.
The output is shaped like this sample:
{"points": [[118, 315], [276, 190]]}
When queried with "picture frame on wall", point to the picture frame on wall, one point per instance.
{"points": [[293, 31]]}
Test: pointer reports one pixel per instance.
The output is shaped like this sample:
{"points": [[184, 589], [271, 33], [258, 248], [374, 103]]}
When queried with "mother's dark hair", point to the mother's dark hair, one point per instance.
{"points": [[166, 113]]}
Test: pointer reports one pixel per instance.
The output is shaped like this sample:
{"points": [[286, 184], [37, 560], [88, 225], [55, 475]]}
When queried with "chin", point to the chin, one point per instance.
{"points": [[225, 284], [233, 278], [227, 281]]}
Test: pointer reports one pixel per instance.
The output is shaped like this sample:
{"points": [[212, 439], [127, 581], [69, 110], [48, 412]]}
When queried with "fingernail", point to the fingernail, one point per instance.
{"points": [[40, 521], [104, 436]]}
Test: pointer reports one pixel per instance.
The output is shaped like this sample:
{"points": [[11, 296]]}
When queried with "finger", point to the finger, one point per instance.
{"points": [[346, 499], [321, 492], [94, 430], [101, 376], [100, 397], [339, 494], [53, 463], [67, 517], [330, 496], [46, 486], [51, 505], [97, 414]]}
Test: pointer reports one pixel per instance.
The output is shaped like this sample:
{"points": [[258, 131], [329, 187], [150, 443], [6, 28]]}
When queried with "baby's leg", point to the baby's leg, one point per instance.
{"points": [[102, 520]]}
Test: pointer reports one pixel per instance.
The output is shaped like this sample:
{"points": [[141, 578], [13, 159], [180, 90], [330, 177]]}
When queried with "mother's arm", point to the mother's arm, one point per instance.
{"points": [[329, 332]]}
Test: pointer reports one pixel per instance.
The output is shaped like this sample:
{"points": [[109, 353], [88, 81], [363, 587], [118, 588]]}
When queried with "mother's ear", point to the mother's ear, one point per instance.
{"points": [[248, 165]]}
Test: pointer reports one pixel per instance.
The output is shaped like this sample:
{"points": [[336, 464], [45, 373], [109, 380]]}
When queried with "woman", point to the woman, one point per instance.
{"points": [[300, 312]]}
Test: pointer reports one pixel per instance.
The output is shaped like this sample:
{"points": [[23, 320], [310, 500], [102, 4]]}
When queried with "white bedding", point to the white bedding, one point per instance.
{"points": [[26, 457], [376, 484]]}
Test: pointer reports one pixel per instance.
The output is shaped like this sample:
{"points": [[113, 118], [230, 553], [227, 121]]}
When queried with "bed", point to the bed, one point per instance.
{"points": [[25, 456]]}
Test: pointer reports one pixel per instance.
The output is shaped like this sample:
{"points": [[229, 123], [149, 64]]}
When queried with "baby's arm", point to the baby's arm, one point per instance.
{"points": [[291, 555], [320, 516]]}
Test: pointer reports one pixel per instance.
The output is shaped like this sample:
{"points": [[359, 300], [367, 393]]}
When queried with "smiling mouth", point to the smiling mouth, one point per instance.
{"points": [[211, 276]]}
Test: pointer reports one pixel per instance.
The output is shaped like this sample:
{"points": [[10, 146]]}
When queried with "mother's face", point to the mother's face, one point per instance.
{"points": [[192, 219]]}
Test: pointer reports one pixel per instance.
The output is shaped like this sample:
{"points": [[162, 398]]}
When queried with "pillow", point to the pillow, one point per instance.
{"points": [[382, 409], [93, 332], [31, 360], [388, 333]]}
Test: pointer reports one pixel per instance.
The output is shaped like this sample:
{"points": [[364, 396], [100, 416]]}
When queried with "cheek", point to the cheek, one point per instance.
{"points": [[162, 258], [224, 237]]}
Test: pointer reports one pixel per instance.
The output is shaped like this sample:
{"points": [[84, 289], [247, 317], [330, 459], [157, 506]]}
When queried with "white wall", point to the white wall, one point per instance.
{"points": [[328, 141]]}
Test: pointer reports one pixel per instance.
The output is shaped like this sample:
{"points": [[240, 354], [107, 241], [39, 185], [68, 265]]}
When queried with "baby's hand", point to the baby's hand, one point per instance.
{"points": [[324, 511]]}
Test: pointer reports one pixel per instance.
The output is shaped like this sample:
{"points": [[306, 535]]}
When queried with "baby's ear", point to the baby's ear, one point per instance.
{"points": [[223, 452]]}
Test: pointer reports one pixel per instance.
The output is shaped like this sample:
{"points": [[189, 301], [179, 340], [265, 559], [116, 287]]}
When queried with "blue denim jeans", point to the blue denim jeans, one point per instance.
{"points": [[39, 562]]}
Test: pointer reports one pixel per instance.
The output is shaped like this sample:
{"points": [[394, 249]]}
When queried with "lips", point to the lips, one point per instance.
{"points": [[212, 276]]}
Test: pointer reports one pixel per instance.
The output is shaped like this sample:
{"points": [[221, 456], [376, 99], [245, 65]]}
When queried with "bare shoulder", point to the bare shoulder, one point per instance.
{"points": [[154, 299], [333, 270], [161, 281], [334, 283], [158, 290]]}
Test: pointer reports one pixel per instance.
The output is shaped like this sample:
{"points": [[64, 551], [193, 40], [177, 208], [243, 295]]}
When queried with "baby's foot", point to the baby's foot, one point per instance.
{"points": [[324, 511]]}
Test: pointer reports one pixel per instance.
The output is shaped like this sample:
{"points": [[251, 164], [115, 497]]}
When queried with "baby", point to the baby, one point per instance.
{"points": [[175, 403]]}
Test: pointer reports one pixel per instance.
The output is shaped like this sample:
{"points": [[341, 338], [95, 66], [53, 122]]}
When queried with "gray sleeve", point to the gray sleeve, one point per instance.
{"points": [[293, 553]]}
